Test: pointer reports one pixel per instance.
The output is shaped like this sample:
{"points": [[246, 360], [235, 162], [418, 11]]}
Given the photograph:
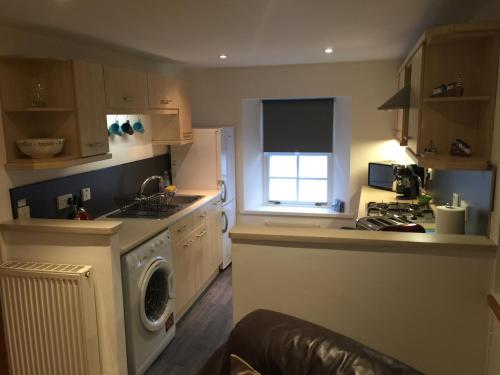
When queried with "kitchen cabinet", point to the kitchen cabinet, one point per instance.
{"points": [[466, 53], [49, 98], [164, 91], [196, 251], [90, 104], [174, 127], [125, 89], [401, 126], [414, 112]]}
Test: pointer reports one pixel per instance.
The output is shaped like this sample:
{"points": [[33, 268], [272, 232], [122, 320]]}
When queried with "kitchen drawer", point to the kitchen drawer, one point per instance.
{"points": [[201, 215], [181, 228]]}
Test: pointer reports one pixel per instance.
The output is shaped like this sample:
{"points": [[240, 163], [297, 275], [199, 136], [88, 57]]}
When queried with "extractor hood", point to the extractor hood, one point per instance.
{"points": [[399, 100]]}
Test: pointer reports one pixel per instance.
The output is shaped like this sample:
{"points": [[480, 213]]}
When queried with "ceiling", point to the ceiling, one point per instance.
{"points": [[252, 32]]}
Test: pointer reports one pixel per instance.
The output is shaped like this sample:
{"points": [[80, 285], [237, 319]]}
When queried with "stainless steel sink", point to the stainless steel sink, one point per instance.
{"points": [[178, 203], [185, 199]]}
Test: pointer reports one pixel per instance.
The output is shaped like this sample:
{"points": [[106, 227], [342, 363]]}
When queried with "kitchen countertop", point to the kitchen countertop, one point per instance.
{"points": [[134, 232], [131, 232], [374, 241], [62, 226]]}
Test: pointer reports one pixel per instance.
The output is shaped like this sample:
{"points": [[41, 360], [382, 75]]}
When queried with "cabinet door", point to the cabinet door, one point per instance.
{"points": [[214, 232], [163, 91], [401, 126], [184, 262], [203, 269], [125, 88], [186, 126], [414, 113], [90, 105]]}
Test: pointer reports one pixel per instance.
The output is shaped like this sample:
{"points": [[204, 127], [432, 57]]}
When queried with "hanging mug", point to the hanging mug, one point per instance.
{"points": [[138, 127], [127, 128], [114, 129]]}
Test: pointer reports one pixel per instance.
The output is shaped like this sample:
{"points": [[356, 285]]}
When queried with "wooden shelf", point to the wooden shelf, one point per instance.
{"points": [[448, 99], [39, 109], [450, 162], [172, 143], [51, 163]]}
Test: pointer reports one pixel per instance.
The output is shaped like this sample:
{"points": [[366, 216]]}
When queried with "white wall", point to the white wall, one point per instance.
{"points": [[218, 96], [124, 149], [425, 309]]}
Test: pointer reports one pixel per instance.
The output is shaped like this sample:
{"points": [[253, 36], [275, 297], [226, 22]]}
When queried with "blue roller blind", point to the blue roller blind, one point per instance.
{"points": [[298, 125]]}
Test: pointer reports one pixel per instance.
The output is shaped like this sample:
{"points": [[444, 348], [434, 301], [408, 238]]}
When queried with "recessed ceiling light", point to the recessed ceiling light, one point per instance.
{"points": [[223, 56], [328, 50]]}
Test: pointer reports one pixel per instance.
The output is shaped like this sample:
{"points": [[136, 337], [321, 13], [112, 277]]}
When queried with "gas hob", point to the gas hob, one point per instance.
{"points": [[414, 212]]}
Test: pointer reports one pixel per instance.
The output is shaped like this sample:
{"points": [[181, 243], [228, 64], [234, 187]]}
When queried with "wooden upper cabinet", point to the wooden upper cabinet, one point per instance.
{"points": [[174, 127], [50, 98], [415, 70], [90, 104], [164, 91], [401, 126], [466, 53], [125, 88]]}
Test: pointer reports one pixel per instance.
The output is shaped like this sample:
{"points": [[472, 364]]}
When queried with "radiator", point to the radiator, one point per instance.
{"points": [[50, 318]]}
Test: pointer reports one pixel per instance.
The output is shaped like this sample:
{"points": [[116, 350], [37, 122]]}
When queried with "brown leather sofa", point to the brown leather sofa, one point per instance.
{"points": [[278, 344]]}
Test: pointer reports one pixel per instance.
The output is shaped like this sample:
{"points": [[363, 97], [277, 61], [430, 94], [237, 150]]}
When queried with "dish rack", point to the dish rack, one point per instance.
{"points": [[150, 205]]}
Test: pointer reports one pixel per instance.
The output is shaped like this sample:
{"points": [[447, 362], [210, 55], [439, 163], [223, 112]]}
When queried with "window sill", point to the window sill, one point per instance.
{"points": [[297, 211]]}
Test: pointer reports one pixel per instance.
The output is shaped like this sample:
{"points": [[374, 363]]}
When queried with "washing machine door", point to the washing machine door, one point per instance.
{"points": [[157, 291]]}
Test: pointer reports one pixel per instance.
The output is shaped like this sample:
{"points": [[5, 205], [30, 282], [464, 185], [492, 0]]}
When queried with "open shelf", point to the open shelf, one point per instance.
{"points": [[448, 99], [50, 163], [39, 109], [449, 162]]}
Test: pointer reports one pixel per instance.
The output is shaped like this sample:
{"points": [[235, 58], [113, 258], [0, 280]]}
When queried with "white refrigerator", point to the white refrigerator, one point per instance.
{"points": [[209, 163]]}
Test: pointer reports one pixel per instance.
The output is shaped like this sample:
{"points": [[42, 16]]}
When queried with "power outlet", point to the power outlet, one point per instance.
{"points": [[23, 212], [86, 194], [63, 201], [466, 206]]}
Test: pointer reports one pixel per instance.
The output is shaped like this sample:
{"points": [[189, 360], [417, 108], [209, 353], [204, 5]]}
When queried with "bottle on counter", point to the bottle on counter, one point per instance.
{"points": [[77, 210]]}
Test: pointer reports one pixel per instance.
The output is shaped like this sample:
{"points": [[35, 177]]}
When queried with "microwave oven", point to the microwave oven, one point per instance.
{"points": [[381, 175]]}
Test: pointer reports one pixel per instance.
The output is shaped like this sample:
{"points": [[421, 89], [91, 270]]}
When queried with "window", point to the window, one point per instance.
{"points": [[298, 145], [298, 178]]}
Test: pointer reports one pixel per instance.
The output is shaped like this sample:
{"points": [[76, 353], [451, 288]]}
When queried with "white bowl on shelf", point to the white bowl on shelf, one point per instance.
{"points": [[40, 148]]}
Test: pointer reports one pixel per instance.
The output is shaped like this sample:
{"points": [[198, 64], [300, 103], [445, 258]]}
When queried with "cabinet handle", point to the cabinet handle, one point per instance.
{"points": [[226, 222], [223, 190], [189, 243], [204, 214], [165, 101], [181, 229], [128, 98], [96, 144], [201, 234]]}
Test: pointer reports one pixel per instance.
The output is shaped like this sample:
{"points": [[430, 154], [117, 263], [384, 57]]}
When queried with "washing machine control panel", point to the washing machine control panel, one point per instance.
{"points": [[151, 248]]}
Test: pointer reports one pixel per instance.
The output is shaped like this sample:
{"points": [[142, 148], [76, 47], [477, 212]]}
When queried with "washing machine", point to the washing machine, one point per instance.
{"points": [[148, 299]]}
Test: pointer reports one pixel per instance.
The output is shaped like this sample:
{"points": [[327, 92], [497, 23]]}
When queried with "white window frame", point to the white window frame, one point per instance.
{"points": [[329, 179]]}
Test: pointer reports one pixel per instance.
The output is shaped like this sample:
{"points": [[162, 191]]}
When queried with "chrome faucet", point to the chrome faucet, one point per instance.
{"points": [[148, 180]]}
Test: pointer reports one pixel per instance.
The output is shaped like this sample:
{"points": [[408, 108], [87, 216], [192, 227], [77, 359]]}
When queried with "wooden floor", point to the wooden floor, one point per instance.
{"points": [[201, 331]]}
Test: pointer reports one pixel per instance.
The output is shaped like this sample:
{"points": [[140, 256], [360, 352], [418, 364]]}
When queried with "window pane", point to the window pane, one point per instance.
{"points": [[313, 166], [313, 190], [282, 189], [282, 166]]}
